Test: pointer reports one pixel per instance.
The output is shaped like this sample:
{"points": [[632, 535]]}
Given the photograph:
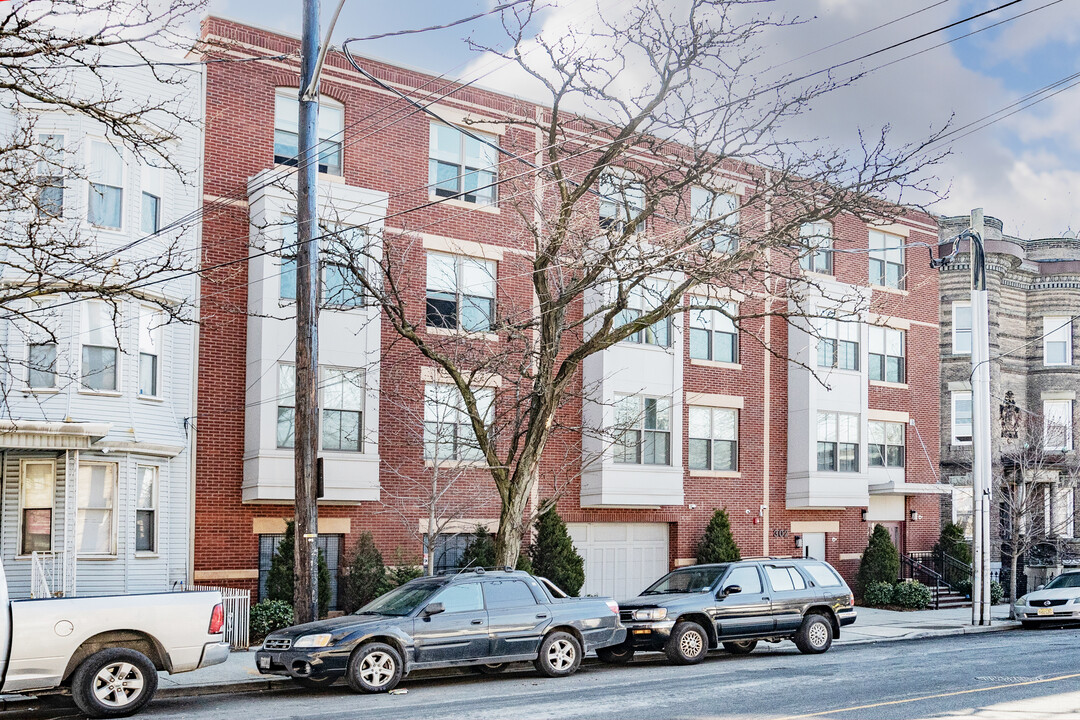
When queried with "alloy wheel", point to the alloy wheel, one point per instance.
{"points": [[118, 684], [377, 669], [690, 644], [561, 655]]}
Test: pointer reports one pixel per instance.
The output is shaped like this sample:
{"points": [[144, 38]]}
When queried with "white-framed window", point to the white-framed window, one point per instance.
{"points": [[448, 430], [887, 260], [644, 425], [462, 167], [286, 405], [817, 251], [713, 335], [153, 184], [721, 212], [838, 344], [643, 299], [340, 289], [342, 409], [41, 366], [961, 328], [146, 502], [622, 199], [963, 508], [1057, 340], [151, 332], [1057, 424], [887, 354], [37, 494], [106, 204], [885, 444], [460, 292], [961, 417], [286, 131], [1062, 511], [340, 286], [100, 353], [837, 442], [95, 522], [713, 438], [50, 175]]}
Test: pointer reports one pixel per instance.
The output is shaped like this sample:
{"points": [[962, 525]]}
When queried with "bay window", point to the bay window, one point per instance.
{"points": [[1057, 340], [286, 131], [106, 175], [643, 299], [719, 213], [644, 426], [837, 442], [817, 250], [342, 409]]}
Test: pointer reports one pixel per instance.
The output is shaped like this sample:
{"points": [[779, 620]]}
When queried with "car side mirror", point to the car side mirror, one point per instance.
{"points": [[732, 590], [1039, 587], [432, 609]]}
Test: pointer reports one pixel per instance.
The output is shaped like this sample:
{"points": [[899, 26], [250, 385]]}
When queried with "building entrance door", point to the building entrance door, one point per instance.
{"points": [[814, 545]]}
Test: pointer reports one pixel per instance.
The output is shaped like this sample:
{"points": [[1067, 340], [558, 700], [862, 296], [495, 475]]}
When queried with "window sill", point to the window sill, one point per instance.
{"points": [[961, 444], [1057, 365], [152, 398], [815, 274], [890, 290], [651, 347], [490, 337], [886, 468], [147, 555], [454, 202], [456, 464], [96, 558], [339, 179], [715, 364], [41, 391], [101, 393], [732, 474], [887, 384]]}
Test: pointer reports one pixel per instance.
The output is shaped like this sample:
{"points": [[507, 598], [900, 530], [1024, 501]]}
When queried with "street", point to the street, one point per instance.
{"points": [[1016, 675]]}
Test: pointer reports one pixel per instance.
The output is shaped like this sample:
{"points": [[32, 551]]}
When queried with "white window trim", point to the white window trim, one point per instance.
{"points": [[339, 136], [124, 179], [639, 427], [23, 462], [1062, 324], [953, 396], [63, 134], [157, 314], [157, 511], [459, 199], [115, 510], [324, 406], [82, 389], [1068, 428], [952, 322]]}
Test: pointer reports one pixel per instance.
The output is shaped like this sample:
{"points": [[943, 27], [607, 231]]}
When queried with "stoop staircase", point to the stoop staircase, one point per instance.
{"points": [[939, 572]]}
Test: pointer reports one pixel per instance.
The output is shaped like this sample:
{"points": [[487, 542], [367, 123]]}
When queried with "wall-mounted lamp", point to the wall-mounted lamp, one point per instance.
{"points": [[862, 514], [798, 541], [913, 515]]}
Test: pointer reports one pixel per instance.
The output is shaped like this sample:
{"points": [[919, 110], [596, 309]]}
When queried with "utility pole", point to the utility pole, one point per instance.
{"points": [[980, 422], [306, 414]]}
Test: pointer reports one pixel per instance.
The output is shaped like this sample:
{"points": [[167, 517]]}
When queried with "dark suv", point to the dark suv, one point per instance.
{"points": [[735, 605]]}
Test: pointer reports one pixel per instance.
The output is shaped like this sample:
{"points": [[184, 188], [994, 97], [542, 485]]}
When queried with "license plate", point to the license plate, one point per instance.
{"points": [[264, 662], [1046, 611]]}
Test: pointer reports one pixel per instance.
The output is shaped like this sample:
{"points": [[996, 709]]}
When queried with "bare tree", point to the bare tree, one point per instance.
{"points": [[669, 115]]}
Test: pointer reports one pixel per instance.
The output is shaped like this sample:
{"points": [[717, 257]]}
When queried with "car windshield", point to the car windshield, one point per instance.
{"points": [[689, 580], [401, 601], [1068, 580]]}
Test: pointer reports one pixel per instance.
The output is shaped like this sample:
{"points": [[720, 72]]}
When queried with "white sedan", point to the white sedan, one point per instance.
{"points": [[1057, 601]]}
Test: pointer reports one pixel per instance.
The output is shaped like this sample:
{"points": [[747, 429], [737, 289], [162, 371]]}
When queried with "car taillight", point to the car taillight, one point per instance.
{"points": [[613, 606], [217, 619], [851, 600]]}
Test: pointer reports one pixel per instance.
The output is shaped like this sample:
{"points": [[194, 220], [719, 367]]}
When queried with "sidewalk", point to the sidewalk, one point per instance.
{"points": [[238, 673]]}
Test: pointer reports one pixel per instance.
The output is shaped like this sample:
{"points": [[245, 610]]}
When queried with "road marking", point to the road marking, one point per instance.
{"points": [[932, 697]]}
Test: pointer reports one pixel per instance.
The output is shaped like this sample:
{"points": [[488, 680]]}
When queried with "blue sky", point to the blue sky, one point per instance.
{"points": [[1024, 169]]}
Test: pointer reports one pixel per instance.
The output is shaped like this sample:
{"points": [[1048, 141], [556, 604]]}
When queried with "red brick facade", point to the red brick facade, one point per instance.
{"points": [[386, 150]]}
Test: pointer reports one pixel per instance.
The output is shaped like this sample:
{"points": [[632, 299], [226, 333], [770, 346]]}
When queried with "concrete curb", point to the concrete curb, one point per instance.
{"points": [[923, 634]]}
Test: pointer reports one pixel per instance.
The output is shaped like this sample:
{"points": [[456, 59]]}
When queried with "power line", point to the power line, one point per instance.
{"points": [[152, 63], [462, 21]]}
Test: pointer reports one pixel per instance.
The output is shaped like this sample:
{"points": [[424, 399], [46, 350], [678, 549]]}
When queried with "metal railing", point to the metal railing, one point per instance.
{"points": [[237, 604], [49, 575], [911, 568], [954, 572]]}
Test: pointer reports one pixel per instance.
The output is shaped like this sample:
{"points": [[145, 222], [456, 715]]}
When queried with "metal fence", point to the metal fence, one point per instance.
{"points": [[237, 605]]}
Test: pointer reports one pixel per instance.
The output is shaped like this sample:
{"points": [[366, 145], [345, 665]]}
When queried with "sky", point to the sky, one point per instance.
{"points": [[1023, 168]]}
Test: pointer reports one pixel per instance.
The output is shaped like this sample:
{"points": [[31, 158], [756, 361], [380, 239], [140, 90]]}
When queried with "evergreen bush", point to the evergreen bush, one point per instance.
{"points": [[366, 578], [912, 594], [878, 594], [481, 550], [403, 570], [281, 578], [997, 592], [554, 556], [718, 544], [268, 616], [880, 560]]}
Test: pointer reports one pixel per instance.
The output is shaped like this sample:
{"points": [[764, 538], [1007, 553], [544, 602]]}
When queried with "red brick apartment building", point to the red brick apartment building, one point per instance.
{"points": [[788, 490]]}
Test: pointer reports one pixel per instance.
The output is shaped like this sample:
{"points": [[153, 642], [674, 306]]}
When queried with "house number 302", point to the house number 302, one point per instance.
{"points": [[779, 533]]}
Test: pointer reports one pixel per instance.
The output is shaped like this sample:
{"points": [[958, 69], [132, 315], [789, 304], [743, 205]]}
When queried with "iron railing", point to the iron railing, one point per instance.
{"points": [[954, 572], [912, 568]]}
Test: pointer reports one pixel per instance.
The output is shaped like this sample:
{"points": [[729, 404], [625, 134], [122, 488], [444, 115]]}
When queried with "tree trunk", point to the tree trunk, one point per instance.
{"points": [[432, 538], [512, 516], [1012, 584]]}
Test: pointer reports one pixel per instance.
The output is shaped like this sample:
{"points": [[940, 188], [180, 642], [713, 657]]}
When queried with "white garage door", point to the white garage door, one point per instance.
{"points": [[621, 559]]}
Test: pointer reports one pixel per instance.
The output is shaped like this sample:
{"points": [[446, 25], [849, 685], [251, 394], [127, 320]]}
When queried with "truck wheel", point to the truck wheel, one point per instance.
{"points": [[315, 682], [740, 647], [560, 655], [374, 668], [115, 682], [616, 654], [688, 644], [491, 668], [815, 635]]}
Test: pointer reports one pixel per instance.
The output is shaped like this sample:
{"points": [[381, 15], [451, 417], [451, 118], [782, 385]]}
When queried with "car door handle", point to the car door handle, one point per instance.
{"points": [[764, 598], [477, 621], [541, 616]]}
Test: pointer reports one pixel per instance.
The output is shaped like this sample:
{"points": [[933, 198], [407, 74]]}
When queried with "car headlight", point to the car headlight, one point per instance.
{"points": [[320, 640], [1075, 601], [1021, 600], [650, 614]]}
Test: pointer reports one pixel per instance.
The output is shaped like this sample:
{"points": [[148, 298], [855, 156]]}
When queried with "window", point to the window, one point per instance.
{"points": [[644, 425], [1057, 424], [1062, 513], [961, 417], [714, 438], [150, 333], [460, 292], [41, 365], [152, 186], [1057, 340], [50, 199], [286, 405], [329, 548], [106, 207], [95, 531], [713, 335], [99, 350], [644, 299], [719, 212], [747, 578], [816, 238], [823, 575], [961, 328], [886, 260], [622, 200], [340, 287], [784, 578], [286, 132], [466, 597], [837, 442], [507, 594], [887, 354], [449, 549], [146, 509], [462, 167], [886, 444], [342, 409], [963, 508], [37, 489], [838, 344], [448, 430]]}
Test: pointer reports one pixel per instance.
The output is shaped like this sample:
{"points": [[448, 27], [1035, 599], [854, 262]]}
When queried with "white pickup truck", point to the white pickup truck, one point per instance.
{"points": [[106, 651]]}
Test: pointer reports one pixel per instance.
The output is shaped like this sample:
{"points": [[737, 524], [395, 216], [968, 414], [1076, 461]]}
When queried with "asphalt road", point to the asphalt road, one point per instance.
{"points": [[1017, 675]]}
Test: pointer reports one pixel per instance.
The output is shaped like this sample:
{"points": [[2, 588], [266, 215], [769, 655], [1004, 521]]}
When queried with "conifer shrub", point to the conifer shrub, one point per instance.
{"points": [[718, 543], [554, 556]]}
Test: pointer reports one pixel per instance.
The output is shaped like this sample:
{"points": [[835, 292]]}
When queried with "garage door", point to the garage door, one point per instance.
{"points": [[621, 559]]}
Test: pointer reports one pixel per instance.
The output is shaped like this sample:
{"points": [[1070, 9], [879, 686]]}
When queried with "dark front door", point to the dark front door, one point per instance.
{"points": [[460, 632], [515, 619], [747, 612], [788, 592]]}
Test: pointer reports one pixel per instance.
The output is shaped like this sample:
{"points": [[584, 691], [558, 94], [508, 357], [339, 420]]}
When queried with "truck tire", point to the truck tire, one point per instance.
{"points": [[740, 647], [115, 682], [491, 668], [374, 668], [616, 654], [815, 635], [560, 655], [688, 643]]}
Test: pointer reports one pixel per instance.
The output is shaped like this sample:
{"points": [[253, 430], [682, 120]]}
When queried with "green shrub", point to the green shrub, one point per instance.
{"points": [[268, 616], [402, 571], [878, 594], [997, 592], [952, 543], [281, 577], [912, 594], [880, 560], [718, 544], [480, 551], [366, 575], [554, 556], [963, 587]]}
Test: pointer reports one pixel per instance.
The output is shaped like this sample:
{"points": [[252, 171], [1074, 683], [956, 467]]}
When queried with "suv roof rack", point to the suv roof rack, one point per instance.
{"points": [[476, 570]]}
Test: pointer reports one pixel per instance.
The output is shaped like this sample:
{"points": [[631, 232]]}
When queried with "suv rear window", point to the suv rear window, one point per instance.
{"points": [[507, 593], [784, 578], [823, 575]]}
